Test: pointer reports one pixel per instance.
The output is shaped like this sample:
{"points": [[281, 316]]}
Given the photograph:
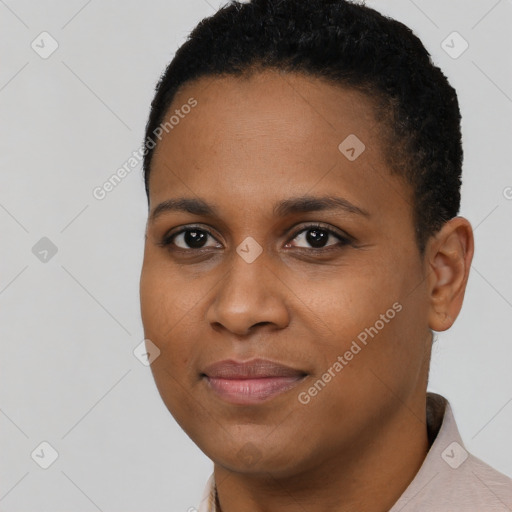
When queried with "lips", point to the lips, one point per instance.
{"points": [[251, 381]]}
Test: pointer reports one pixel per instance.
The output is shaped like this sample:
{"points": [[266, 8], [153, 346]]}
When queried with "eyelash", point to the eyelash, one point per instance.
{"points": [[343, 240]]}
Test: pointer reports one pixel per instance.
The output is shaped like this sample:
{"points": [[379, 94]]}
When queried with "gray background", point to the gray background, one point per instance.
{"points": [[69, 325]]}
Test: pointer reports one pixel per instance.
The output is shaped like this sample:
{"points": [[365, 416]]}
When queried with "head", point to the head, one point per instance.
{"points": [[303, 182]]}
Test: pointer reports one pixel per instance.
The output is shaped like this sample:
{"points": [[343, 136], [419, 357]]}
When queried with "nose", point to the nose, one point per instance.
{"points": [[249, 295]]}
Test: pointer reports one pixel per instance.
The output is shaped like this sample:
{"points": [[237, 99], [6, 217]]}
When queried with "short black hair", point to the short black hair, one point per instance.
{"points": [[353, 46]]}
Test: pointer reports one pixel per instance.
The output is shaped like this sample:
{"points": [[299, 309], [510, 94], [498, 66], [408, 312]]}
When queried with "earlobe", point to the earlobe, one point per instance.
{"points": [[449, 257]]}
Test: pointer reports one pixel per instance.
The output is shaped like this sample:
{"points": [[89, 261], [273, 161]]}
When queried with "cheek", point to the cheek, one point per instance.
{"points": [[163, 316], [164, 300], [170, 309], [350, 301], [370, 315]]}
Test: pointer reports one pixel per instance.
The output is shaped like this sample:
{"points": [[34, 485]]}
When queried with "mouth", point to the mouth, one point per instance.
{"points": [[250, 382]]}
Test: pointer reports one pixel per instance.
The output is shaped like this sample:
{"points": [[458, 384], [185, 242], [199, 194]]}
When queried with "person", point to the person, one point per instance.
{"points": [[303, 170]]}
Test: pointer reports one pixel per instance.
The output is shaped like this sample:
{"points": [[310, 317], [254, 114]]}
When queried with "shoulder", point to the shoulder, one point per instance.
{"points": [[450, 478], [488, 486]]}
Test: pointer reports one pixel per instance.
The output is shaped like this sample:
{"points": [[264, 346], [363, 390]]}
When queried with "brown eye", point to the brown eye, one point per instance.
{"points": [[318, 237], [189, 239]]}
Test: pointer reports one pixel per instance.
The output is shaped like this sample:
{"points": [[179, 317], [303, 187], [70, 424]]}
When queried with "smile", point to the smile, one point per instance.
{"points": [[250, 382]]}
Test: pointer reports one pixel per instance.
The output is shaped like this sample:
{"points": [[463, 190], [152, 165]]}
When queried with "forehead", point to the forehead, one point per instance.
{"points": [[268, 136]]}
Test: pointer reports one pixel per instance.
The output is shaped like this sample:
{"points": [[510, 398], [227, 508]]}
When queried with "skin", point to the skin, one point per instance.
{"points": [[249, 143]]}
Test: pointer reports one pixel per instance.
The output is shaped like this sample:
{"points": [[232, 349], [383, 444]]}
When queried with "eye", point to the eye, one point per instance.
{"points": [[318, 237], [190, 238], [193, 238]]}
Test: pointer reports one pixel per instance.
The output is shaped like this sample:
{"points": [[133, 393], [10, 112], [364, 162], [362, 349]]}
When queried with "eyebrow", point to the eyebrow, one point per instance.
{"points": [[302, 204]]}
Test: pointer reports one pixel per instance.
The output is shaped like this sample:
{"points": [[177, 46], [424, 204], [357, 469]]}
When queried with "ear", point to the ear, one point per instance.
{"points": [[448, 258]]}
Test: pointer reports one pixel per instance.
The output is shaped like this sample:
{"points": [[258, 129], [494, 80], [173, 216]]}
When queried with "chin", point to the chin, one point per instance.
{"points": [[256, 458]]}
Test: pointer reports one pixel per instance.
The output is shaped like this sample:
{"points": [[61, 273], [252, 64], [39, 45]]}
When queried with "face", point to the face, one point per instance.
{"points": [[330, 294]]}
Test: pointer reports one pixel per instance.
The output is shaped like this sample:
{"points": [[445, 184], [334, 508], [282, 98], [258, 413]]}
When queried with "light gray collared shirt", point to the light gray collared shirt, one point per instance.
{"points": [[449, 480]]}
